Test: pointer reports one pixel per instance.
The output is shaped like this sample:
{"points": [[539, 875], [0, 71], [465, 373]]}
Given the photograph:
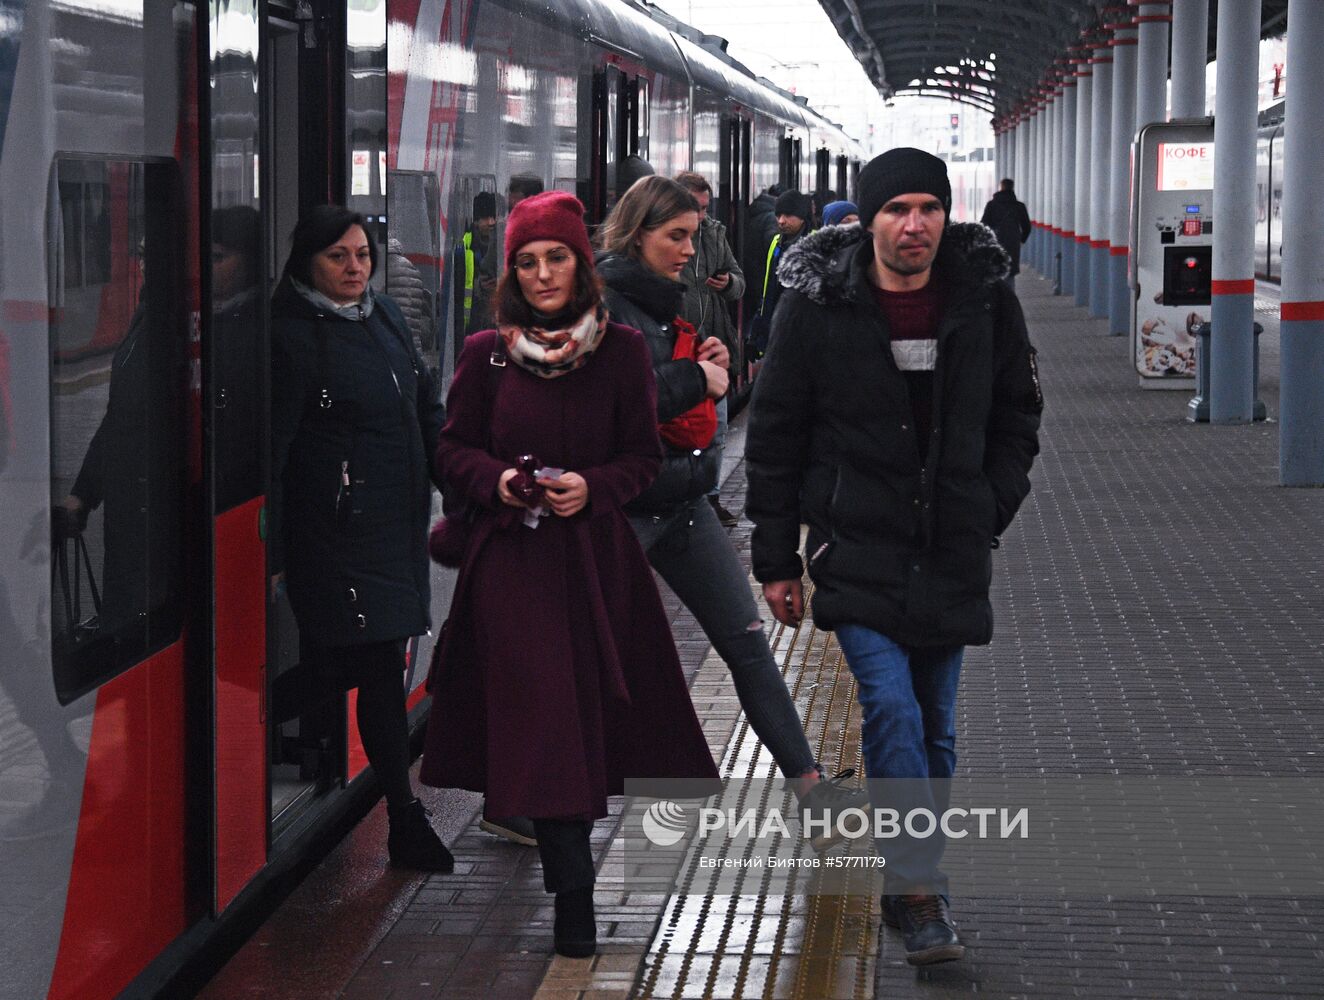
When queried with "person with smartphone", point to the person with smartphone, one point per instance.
{"points": [[557, 677], [713, 283]]}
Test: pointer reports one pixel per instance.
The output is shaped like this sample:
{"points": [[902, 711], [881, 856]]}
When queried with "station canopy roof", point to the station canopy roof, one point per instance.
{"points": [[996, 55]]}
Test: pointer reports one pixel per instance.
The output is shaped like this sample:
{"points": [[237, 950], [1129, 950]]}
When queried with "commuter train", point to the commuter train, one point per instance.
{"points": [[165, 763], [1269, 194]]}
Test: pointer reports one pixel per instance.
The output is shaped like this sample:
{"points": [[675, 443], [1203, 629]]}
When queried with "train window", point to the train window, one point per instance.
{"points": [[474, 256], [641, 117], [822, 159], [413, 253], [119, 369]]}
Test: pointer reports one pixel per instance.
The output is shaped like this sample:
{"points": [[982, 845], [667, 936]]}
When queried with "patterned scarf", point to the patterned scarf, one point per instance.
{"points": [[549, 353]]}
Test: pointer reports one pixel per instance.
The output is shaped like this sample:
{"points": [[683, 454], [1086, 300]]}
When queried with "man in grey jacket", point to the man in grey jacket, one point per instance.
{"points": [[713, 282]]}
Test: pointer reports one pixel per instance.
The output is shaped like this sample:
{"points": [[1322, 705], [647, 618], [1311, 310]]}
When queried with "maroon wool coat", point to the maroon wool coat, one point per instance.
{"points": [[558, 678]]}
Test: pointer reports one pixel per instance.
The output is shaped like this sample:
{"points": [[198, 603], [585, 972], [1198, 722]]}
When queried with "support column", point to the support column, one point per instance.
{"points": [[1084, 173], [1101, 143], [1232, 348], [1153, 21], [1055, 191], [1301, 439], [1118, 290], [1038, 208], [1190, 56], [1067, 181]]}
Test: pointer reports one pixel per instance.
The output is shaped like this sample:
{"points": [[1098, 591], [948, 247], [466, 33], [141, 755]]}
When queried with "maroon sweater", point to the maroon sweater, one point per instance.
{"points": [[912, 320]]}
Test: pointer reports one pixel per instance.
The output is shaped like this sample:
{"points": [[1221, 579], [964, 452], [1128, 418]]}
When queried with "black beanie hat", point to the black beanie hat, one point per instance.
{"points": [[902, 171], [794, 203], [484, 205]]}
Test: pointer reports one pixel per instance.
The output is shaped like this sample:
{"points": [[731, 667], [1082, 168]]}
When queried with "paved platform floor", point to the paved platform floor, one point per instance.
{"points": [[1160, 612]]}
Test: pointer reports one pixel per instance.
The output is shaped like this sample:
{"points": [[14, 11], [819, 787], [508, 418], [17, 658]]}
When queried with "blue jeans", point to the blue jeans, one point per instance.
{"points": [[719, 440], [693, 553], [908, 701]]}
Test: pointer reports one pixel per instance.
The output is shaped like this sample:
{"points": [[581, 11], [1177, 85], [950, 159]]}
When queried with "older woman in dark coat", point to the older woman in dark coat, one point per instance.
{"points": [[354, 420], [558, 677]]}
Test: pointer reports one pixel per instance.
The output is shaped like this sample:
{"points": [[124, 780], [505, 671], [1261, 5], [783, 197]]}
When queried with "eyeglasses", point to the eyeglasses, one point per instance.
{"points": [[557, 260]]}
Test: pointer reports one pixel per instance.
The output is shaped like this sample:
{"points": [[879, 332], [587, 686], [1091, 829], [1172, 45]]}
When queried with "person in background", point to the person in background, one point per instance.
{"points": [[355, 417], [840, 213], [521, 186], [760, 228], [907, 465], [793, 211], [1010, 222], [405, 285], [475, 269], [629, 170], [558, 678], [646, 242], [713, 281]]}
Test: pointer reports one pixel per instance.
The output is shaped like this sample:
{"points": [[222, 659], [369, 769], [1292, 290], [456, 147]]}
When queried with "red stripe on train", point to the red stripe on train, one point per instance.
{"points": [[126, 898]]}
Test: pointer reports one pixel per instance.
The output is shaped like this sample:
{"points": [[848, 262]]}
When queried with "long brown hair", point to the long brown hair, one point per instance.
{"points": [[649, 203], [513, 309]]}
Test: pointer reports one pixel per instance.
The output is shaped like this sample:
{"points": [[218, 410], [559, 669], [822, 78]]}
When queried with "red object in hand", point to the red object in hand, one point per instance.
{"points": [[523, 485]]}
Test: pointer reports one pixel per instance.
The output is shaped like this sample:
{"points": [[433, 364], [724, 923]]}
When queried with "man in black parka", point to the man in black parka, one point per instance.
{"points": [[1010, 222], [897, 414]]}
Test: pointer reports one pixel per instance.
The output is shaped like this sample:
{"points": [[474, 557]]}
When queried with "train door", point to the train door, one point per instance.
{"points": [[734, 194], [304, 161], [788, 173], [235, 290], [620, 130], [822, 173]]}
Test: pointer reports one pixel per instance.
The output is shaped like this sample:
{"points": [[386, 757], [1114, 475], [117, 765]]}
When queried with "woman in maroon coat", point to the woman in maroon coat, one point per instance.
{"points": [[558, 678]]}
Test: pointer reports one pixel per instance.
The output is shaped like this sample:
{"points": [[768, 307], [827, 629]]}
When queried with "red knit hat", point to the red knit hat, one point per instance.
{"points": [[552, 215]]}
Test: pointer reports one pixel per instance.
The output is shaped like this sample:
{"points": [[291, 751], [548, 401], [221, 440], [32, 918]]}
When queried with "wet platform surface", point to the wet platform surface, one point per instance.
{"points": [[1160, 612]]}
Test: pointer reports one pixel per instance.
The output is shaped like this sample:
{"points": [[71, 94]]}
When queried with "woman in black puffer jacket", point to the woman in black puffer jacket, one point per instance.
{"points": [[645, 243], [355, 418]]}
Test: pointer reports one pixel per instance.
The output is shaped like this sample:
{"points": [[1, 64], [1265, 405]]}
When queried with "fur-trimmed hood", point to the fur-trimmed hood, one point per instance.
{"points": [[826, 266]]}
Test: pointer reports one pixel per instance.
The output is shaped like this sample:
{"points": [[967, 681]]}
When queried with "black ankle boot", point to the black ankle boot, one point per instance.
{"points": [[413, 843], [575, 933]]}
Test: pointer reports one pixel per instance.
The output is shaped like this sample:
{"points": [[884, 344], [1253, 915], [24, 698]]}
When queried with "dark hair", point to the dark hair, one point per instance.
{"points": [[1007, 184], [525, 185], [513, 308], [317, 230], [484, 205], [694, 181], [649, 203], [238, 228]]}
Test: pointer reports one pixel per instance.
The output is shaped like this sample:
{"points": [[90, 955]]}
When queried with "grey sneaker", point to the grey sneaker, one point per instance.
{"points": [[823, 802]]}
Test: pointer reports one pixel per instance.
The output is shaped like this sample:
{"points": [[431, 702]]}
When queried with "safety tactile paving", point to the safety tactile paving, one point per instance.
{"points": [[748, 941]]}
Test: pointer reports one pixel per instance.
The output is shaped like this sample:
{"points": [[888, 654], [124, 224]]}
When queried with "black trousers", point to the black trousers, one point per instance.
{"points": [[567, 857], [377, 669]]}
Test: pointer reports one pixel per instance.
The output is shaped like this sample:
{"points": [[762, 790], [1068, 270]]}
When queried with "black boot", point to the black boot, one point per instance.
{"points": [[413, 843], [575, 932], [926, 926]]}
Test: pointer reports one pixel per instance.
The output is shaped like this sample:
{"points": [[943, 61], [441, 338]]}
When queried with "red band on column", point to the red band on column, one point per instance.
{"points": [[1303, 311], [1150, 18], [1082, 238], [1246, 287], [1118, 251], [1098, 244]]}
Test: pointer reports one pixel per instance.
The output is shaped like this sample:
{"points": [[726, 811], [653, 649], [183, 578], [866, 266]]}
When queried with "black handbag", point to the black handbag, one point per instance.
{"points": [[77, 627], [449, 538]]}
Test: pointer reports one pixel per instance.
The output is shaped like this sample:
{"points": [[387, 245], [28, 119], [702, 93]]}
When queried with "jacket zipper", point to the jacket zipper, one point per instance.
{"points": [[344, 484]]}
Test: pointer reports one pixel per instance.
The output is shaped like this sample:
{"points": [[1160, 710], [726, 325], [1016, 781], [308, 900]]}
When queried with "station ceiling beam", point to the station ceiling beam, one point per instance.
{"points": [[993, 53]]}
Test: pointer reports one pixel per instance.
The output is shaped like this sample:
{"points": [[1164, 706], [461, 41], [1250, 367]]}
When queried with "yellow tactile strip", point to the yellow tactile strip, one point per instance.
{"points": [[753, 943]]}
